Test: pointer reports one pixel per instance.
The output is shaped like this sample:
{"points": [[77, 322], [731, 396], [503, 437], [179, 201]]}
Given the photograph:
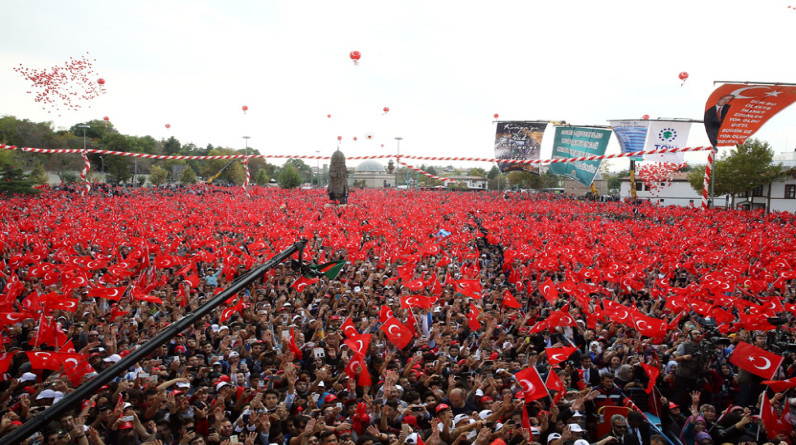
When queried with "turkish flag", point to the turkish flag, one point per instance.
{"points": [[468, 288], [781, 385], [774, 424], [109, 293], [533, 387], [560, 318], [232, 310], [5, 361], [526, 421], [358, 360], [385, 313], [9, 318], [116, 312], [396, 332], [49, 333], [418, 301], [756, 360], [411, 321], [472, 318], [652, 372], [558, 355], [554, 383], [359, 343], [549, 290], [348, 328], [148, 298], [45, 360], [510, 301], [293, 346], [649, 326], [303, 282]]}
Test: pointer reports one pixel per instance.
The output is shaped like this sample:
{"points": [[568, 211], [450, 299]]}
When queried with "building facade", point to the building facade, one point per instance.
{"points": [[371, 174]]}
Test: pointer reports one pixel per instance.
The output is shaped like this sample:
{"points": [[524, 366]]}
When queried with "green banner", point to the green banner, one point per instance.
{"points": [[576, 142]]}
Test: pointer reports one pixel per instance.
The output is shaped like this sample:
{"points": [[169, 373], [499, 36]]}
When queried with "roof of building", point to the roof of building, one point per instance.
{"points": [[370, 166]]}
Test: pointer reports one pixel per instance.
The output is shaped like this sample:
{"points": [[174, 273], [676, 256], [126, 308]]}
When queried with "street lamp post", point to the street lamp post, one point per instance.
{"points": [[246, 138], [398, 159], [318, 167], [84, 126]]}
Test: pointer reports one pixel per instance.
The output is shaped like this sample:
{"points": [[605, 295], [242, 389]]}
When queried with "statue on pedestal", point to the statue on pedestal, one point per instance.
{"points": [[338, 178]]}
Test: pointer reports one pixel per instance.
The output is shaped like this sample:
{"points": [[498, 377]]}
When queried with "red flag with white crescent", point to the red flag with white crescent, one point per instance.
{"points": [[756, 360]]}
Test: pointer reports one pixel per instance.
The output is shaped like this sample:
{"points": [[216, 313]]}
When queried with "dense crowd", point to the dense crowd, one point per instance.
{"points": [[507, 286]]}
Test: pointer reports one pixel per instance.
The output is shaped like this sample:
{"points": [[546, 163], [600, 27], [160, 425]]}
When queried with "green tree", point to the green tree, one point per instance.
{"points": [[14, 181], [742, 169], [68, 177], [289, 177], [171, 146], [261, 178], [304, 170], [493, 172], [38, 175], [232, 170], [158, 175], [477, 171], [188, 176]]}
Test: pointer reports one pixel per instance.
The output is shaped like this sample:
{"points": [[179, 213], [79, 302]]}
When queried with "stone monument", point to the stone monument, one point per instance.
{"points": [[338, 178]]}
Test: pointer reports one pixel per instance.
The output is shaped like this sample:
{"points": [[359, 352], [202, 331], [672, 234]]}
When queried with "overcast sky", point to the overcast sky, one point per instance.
{"points": [[443, 68]]}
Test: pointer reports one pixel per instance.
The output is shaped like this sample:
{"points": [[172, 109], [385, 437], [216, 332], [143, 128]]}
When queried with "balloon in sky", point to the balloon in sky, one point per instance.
{"points": [[497, 115], [645, 117], [168, 125], [65, 87], [339, 138], [106, 119], [386, 110], [355, 138], [355, 55], [245, 109], [683, 76], [329, 116], [369, 136]]}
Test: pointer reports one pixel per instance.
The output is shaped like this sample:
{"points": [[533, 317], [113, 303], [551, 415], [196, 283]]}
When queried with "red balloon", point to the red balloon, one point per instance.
{"points": [[683, 75], [355, 138], [245, 108], [496, 115], [329, 115], [101, 81], [355, 55], [106, 118], [386, 109], [645, 117], [339, 138], [382, 145], [168, 125]]}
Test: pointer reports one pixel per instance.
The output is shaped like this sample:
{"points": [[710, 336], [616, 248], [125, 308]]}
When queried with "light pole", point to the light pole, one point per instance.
{"points": [[318, 167], [246, 138], [398, 159], [84, 126]]}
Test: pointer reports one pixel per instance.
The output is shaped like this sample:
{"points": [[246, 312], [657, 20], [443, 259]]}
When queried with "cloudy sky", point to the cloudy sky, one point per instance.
{"points": [[443, 68]]}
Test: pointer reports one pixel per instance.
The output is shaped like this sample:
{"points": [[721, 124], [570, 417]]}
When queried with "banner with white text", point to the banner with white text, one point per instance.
{"points": [[576, 142], [735, 111]]}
